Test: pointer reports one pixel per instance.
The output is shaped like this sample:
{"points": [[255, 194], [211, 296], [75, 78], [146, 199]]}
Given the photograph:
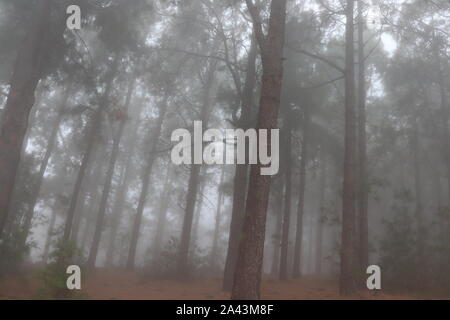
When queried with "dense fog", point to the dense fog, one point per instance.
{"points": [[202, 149]]}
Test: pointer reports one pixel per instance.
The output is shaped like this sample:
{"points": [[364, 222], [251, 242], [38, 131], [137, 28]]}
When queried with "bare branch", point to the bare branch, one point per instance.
{"points": [[323, 83], [318, 57]]}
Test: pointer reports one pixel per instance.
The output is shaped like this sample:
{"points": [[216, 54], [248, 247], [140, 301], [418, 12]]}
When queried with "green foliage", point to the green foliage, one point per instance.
{"points": [[164, 265], [440, 252], [54, 276], [12, 254], [399, 263], [402, 265]]}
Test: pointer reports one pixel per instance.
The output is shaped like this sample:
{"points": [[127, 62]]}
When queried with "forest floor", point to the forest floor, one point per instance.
{"points": [[115, 285]]}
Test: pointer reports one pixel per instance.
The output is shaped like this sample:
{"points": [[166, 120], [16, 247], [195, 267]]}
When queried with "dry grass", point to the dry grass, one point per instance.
{"points": [[107, 284]]}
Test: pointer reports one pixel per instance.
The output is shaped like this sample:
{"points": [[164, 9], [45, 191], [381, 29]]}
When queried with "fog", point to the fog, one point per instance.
{"points": [[352, 97]]}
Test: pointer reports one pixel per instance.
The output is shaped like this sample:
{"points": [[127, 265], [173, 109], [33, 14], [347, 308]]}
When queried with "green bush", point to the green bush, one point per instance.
{"points": [[54, 276], [164, 265], [12, 254]]}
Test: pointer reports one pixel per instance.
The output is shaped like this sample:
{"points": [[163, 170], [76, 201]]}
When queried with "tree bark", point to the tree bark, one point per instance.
{"points": [[287, 206], [162, 215], [117, 213], [321, 215], [109, 177], [20, 100], [241, 174], [215, 242], [363, 198], [444, 112], [43, 167], [301, 195], [247, 278], [185, 239], [198, 212], [415, 146], [48, 238], [92, 136], [155, 134], [278, 207], [121, 195], [88, 193], [347, 279]]}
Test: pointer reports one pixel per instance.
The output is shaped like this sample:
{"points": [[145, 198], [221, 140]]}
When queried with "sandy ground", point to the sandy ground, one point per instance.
{"points": [[107, 285]]}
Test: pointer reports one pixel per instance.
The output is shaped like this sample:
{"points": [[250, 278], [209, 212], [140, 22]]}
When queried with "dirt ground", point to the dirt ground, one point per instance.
{"points": [[115, 285]]}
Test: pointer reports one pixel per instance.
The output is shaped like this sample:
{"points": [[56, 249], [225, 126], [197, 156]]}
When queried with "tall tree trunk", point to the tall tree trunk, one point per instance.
{"points": [[92, 138], [48, 238], [310, 260], [215, 243], [363, 197], [121, 195], [20, 100], [43, 167], [162, 215], [188, 220], [89, 192], [301, 195], [287, 206], [185, 240], [241, 174], [247, 278], [109, 177], [321, 214], [444, 112], [198, 213], [116, 213], [154, 139], [278, 207], [52, 222], [415, 146], [347, 279], [89, 220]]}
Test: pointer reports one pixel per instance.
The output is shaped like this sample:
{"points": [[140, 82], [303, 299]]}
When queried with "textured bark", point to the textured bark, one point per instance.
{"points": [[185, 239], [154, 139], [109, 177], [213, 263], [347, 278], [247, 277], [20, 100], [43, 167], [241, 174], [363, 196], [301, 195], [287, 207], [278, 207], [188, 220], [92, 138]]}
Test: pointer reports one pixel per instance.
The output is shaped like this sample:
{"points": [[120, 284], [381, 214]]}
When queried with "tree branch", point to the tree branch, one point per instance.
{"points": [[323, 83], [318, 57], [257, 26]]}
